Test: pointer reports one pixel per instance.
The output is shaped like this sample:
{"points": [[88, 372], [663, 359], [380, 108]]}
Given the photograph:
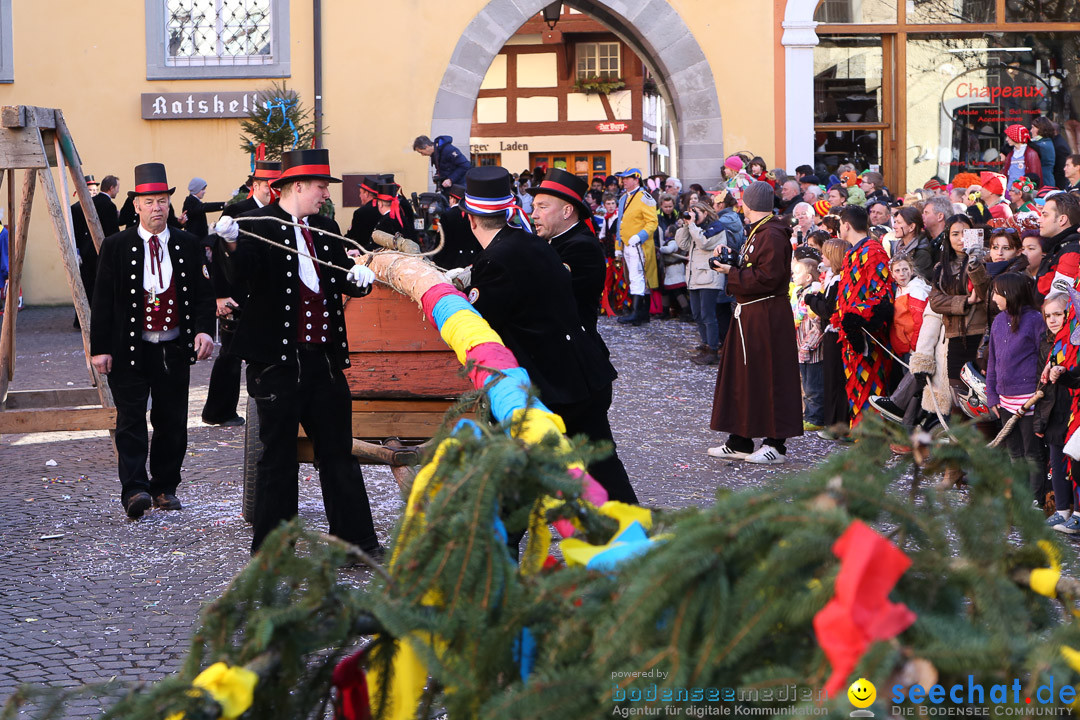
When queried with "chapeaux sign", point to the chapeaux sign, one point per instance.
{"points": [[199, 105]]}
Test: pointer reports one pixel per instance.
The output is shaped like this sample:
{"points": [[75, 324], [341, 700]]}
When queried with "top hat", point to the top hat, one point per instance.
{"points": [[457, 191], [150, 180], [370, 184], [267, 170], [89, 180], [565, 186], [313, 164], [387, 191], [487, 191]]}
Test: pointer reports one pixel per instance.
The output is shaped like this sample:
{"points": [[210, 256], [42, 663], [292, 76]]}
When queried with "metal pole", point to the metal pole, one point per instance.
{"points": [[317, 42]]}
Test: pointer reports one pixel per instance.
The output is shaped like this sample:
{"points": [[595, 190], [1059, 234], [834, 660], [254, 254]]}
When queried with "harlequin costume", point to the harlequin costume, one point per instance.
{"points": [[616, 297], [864, 305]]}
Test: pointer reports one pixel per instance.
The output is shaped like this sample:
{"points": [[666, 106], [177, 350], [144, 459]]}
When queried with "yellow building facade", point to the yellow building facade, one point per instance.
{"points": [[390, 71]]}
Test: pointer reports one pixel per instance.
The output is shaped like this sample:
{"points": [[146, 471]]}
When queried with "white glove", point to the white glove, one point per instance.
{"points": [[460, 277], [618, 254], [361, 276], [634, 241], [227, 229]]}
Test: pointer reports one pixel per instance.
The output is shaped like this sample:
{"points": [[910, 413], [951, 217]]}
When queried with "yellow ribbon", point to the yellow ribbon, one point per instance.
{"points": [[464, 330], [1044, 580], [233, 688], [578, 553]]}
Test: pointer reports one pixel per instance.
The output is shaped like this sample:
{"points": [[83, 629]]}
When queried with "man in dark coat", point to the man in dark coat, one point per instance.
{"points": [[194, 213], [84, 242], [152, 317], [521, 287], [449, 163], [758, 386], [559, 216], [365, 217], [460, 246], [292, 335], [223, 394]]}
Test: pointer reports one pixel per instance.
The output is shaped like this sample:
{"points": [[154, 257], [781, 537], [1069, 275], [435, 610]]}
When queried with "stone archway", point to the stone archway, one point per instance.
{"points": [[664, 42]]}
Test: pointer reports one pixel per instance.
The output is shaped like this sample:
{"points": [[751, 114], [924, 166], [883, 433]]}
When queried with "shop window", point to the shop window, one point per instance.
{"points": [[598, 60], [217, 38], [487, 159], [7, 67], [857, 11], [847, 79], [1042, 11], [963, 91], [586, 165], [951, 11]]}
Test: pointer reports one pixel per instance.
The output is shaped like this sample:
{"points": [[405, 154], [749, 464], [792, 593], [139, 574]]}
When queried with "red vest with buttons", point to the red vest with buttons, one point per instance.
{"points": [[160, 313], [314, 318]]}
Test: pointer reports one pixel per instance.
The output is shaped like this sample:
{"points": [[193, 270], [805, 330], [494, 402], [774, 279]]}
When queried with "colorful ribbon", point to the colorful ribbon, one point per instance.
{"points": [[489, 206], [284, 106]]}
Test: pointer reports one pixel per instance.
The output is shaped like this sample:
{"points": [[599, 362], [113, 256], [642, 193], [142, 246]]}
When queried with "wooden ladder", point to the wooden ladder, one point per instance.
{"points": [[36, 140]]}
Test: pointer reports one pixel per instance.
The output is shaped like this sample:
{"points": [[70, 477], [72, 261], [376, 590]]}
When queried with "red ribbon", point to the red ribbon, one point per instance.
{"points": [[155, 257], [152, 188], [305, 170], [551, 185]]}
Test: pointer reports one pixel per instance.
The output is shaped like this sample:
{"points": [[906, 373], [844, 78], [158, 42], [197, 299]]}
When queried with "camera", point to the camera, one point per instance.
{"points": [[726, 257], [687, 215]]}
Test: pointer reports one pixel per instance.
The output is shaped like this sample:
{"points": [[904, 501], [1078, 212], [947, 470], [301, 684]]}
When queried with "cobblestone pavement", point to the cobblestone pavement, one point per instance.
{"points": [[87, 595]]}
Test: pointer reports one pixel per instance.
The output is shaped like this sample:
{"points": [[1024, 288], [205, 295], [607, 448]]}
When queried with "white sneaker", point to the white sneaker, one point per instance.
{"points": [[725, 453], [766, 455]]}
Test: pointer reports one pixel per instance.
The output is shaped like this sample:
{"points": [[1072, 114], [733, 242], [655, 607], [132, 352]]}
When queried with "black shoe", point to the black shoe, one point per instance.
{"points": [[887, 408], [137, 504], [377, 553], [234, 421], [631, 318], [166, 501]]}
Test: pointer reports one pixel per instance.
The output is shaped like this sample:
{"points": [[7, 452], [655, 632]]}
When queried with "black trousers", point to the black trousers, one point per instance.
{"points": [[836, 403], [163, 379], [224, 392], [1025, 445], [315, 395], [590, 418]]}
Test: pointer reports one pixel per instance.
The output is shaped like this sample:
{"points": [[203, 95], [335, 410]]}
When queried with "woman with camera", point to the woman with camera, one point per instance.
{"points": [[698, 233]]}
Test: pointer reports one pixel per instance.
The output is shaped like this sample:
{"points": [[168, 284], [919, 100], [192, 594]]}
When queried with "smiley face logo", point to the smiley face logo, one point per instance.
{"points": [[862, 693]]}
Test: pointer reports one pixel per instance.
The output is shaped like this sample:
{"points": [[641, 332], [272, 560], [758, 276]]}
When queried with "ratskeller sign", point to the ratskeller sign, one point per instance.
{"points": [[196, 105]]}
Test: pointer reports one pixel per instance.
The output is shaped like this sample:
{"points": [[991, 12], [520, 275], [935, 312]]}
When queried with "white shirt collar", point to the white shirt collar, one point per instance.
{"points": [[145, 234]]}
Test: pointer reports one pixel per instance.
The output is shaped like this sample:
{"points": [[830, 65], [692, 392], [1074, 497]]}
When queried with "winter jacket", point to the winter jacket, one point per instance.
{"points": [[1061, 152], [1062, 259], [1053, 410], [931, 358], [1032, 162], [1044, 147], [1013, 368], [449, 162], [733, 223], [908, 314], [959, 317], [698, 245]]}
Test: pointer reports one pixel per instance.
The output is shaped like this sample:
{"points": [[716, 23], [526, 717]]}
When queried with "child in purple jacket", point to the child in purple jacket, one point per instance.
{"points": [[1012, 373]]}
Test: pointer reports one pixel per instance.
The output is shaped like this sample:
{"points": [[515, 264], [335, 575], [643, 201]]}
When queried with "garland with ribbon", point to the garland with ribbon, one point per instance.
{"points": [[284, 105]]}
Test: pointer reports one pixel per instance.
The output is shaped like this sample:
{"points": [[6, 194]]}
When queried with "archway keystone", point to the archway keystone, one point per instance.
{"points": [[663, 41]]}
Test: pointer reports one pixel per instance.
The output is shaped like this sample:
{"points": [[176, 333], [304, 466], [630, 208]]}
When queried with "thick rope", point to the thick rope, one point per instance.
{"points": [[294, 251], [350, 241]]}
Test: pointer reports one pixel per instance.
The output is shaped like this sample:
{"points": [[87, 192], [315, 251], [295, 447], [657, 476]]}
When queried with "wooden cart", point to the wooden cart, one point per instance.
{"points": [[402, 379]]}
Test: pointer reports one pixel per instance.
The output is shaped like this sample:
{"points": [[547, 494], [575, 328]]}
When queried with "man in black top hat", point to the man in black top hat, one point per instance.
{"points": [[523, 290], [292, 335], [152, 317], [367, 216], [461, 246], [84, 242], [223, 394], [561, 217]]}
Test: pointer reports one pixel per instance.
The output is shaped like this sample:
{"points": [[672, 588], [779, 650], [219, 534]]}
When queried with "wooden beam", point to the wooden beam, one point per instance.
{"points": [[23, 116], [71, 155], [18, 255], [44, 399], [22, 149], [67, 254], [14, 422]]}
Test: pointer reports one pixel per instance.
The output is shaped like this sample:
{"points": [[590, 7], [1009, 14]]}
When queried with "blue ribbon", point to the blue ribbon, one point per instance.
{"points": [[283, 105]]}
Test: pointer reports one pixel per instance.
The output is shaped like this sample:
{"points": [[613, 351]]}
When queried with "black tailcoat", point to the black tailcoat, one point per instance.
{"points": [[581, 251], [270, 278], [520, 286], [117, 311], [196, 211], [461, 246], [364, 220]]}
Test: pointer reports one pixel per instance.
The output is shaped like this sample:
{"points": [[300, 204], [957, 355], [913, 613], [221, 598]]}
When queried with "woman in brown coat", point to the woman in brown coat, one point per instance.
{"points": [[758, 387]]}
